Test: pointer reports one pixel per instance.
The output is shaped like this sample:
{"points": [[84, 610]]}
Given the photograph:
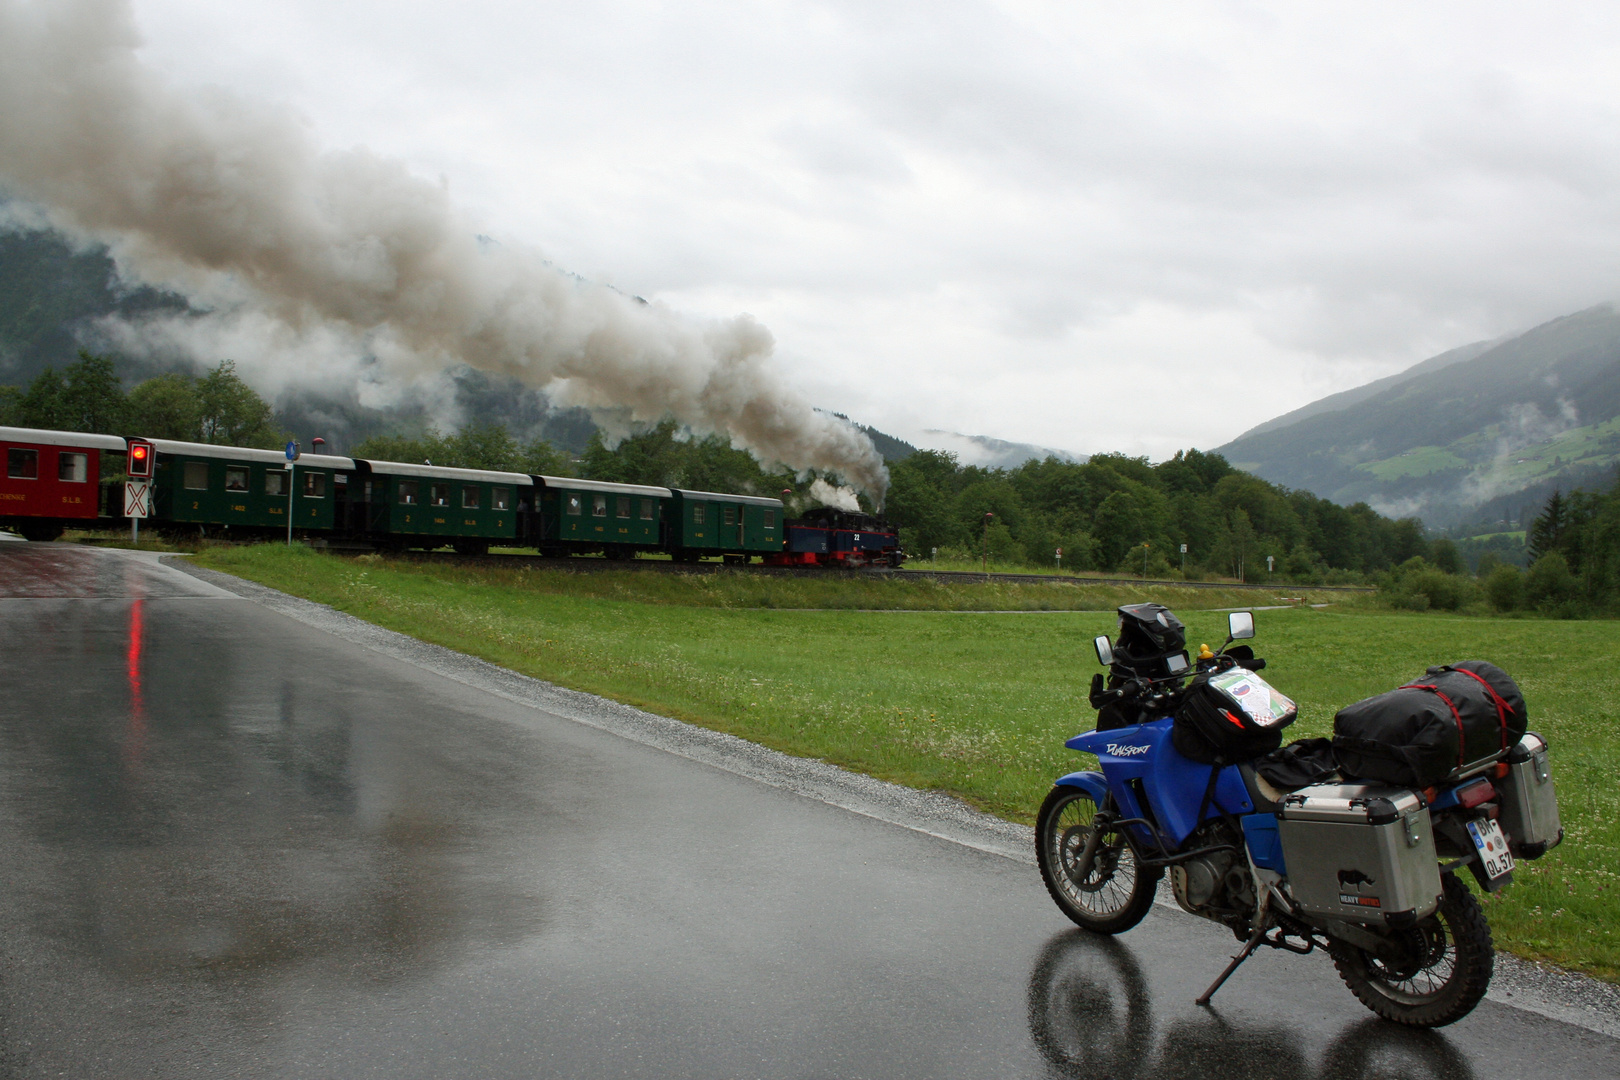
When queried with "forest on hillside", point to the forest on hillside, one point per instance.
{"points": [[1574, 550]]}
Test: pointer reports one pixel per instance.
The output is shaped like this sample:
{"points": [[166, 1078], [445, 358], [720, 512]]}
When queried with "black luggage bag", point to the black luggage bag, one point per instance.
{"points": [[1454, 716], [1229, 716]]}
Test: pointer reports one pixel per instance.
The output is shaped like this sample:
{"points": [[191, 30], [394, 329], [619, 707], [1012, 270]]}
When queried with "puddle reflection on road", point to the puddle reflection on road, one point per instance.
{"points": [[1091, 1016], [208, 812]]}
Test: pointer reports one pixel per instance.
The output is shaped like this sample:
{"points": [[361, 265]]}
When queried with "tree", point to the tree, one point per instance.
{"points": [[42, 404], [1504, 587], [1446, 558], [1124, 521], [1241, 541], [540, 458], [482, 446], [1550, 587], [233, 414], [649, 457], [1547, 531], [93, 398], [11, 398], [166, 407]]}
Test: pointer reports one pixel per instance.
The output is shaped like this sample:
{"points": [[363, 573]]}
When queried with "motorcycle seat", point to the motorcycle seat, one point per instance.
{"points": [[1265, 797]]}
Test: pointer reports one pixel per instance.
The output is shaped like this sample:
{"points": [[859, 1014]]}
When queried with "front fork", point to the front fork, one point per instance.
{"points": [[1088, 854]]}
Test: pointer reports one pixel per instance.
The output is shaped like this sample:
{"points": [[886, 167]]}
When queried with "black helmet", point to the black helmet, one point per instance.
{"points": [[1148, 632]]}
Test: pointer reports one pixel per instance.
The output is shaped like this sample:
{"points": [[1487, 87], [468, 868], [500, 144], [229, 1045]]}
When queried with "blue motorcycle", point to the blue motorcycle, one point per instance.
{"points": [[1365, 871]]}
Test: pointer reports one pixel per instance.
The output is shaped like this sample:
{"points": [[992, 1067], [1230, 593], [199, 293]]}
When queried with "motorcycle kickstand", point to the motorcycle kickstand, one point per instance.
{"points": [[1248, 951], [1263, 923]]}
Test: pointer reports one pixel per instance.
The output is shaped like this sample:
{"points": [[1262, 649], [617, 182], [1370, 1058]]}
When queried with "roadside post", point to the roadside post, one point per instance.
{"points": [[987, 516], [1183, 560], [292, 456]]}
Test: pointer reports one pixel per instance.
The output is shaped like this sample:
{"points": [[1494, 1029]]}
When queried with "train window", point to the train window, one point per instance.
{"points": [[599, 506], [440, 494], [469, 498], [72, 468], [697, 513], [623, 509], [731, 515], [196, 476], [500, 498], [574, 505], [770, 518], [407, 493], [275, 482], [314, 485], [646, 509], [236, 479], [22, 464]]}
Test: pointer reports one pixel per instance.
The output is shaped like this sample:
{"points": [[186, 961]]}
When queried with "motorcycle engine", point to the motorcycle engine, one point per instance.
{"points": [[1217, 885]]}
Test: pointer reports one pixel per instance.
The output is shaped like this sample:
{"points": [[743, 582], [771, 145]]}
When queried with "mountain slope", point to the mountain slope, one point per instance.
{"points": [[1346, 398], [49, 292], [1521, 413]]}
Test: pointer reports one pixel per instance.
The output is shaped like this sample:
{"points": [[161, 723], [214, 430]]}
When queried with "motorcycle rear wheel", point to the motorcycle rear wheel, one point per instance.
{"points": [[1445, 973], [1116, 892]]}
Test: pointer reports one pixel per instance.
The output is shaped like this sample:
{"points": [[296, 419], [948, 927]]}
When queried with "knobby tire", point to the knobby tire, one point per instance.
{"points": [[1117, 892]]}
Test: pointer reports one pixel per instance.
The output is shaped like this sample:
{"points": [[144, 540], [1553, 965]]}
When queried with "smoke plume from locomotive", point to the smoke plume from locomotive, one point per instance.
{"points": [[295, 252]]}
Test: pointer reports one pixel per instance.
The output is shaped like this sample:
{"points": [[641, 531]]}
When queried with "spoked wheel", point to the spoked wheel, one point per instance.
{"points": [[1114, 893], [1438, 971]]}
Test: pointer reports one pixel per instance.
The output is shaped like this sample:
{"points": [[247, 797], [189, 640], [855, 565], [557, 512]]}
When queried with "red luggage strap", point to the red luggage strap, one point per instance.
{"points": [[1462, 735], [1502, 708]]}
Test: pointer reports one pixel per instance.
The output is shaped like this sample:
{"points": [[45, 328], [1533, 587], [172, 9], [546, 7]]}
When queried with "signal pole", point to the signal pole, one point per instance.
{"points": [[987, 516]]}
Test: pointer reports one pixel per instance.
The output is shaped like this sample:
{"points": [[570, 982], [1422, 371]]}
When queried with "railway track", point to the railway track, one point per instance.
{"points": [[587, 564]]}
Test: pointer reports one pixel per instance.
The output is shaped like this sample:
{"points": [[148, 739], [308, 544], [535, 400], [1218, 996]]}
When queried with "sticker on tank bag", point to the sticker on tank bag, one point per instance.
{"points": [[1265, 706]]}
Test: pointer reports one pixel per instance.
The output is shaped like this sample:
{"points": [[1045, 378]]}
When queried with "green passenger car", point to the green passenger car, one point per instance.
{"points": [[429, 506], [244, 490], [577, 516], [735, 527]]}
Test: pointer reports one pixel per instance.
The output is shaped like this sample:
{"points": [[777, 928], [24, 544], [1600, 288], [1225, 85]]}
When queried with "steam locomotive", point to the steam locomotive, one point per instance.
{"points": [[52, 482]]}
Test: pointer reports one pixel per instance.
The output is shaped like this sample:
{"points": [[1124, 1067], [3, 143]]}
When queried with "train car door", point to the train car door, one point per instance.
{"points": [[340, 502]]}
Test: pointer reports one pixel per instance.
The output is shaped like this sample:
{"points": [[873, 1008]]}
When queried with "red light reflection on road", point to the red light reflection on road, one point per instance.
{"points": [[135, 744]]}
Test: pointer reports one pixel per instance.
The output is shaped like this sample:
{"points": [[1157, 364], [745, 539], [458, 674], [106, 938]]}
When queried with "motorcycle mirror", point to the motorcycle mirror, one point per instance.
{"points": [[1105, 650], [1240, 625]]}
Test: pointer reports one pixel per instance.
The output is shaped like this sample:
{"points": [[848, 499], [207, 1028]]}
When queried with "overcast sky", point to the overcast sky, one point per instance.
{"points": [[1089, 226]]}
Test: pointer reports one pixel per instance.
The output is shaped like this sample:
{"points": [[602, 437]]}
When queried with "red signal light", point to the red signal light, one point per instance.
{"points": [[140, 459]]}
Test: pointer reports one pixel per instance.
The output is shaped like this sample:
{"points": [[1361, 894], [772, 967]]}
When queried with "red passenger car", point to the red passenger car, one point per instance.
{"points": [[52, 479]]}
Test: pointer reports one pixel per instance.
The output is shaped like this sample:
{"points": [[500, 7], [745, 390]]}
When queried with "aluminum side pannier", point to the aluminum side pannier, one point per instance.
{"points": [[1529, 803], [1360, 852]]}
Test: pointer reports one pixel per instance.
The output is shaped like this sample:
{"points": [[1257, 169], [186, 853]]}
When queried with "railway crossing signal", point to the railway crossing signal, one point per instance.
{"points": [[141, 459]]}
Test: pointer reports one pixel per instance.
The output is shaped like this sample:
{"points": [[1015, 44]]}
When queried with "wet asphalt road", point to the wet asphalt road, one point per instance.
{"points": [[238, 846]]}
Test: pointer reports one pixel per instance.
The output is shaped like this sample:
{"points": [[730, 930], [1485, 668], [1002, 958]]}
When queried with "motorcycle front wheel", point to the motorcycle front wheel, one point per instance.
{"points": [[1115, 893], [1438, 973]]}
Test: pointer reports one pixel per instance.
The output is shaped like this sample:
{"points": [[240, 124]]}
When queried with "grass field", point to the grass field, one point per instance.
{"points": [[924, 684]]}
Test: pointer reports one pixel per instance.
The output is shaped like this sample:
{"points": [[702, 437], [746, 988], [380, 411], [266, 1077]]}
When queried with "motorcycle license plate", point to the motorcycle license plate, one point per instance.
{"points": [[1493, 850]]}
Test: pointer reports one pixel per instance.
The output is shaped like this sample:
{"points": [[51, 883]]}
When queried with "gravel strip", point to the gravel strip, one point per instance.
{"points": [[1560, 995]]}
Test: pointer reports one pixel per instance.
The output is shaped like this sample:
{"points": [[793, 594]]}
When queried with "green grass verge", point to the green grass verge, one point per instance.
{"points": [[926, 692]]}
